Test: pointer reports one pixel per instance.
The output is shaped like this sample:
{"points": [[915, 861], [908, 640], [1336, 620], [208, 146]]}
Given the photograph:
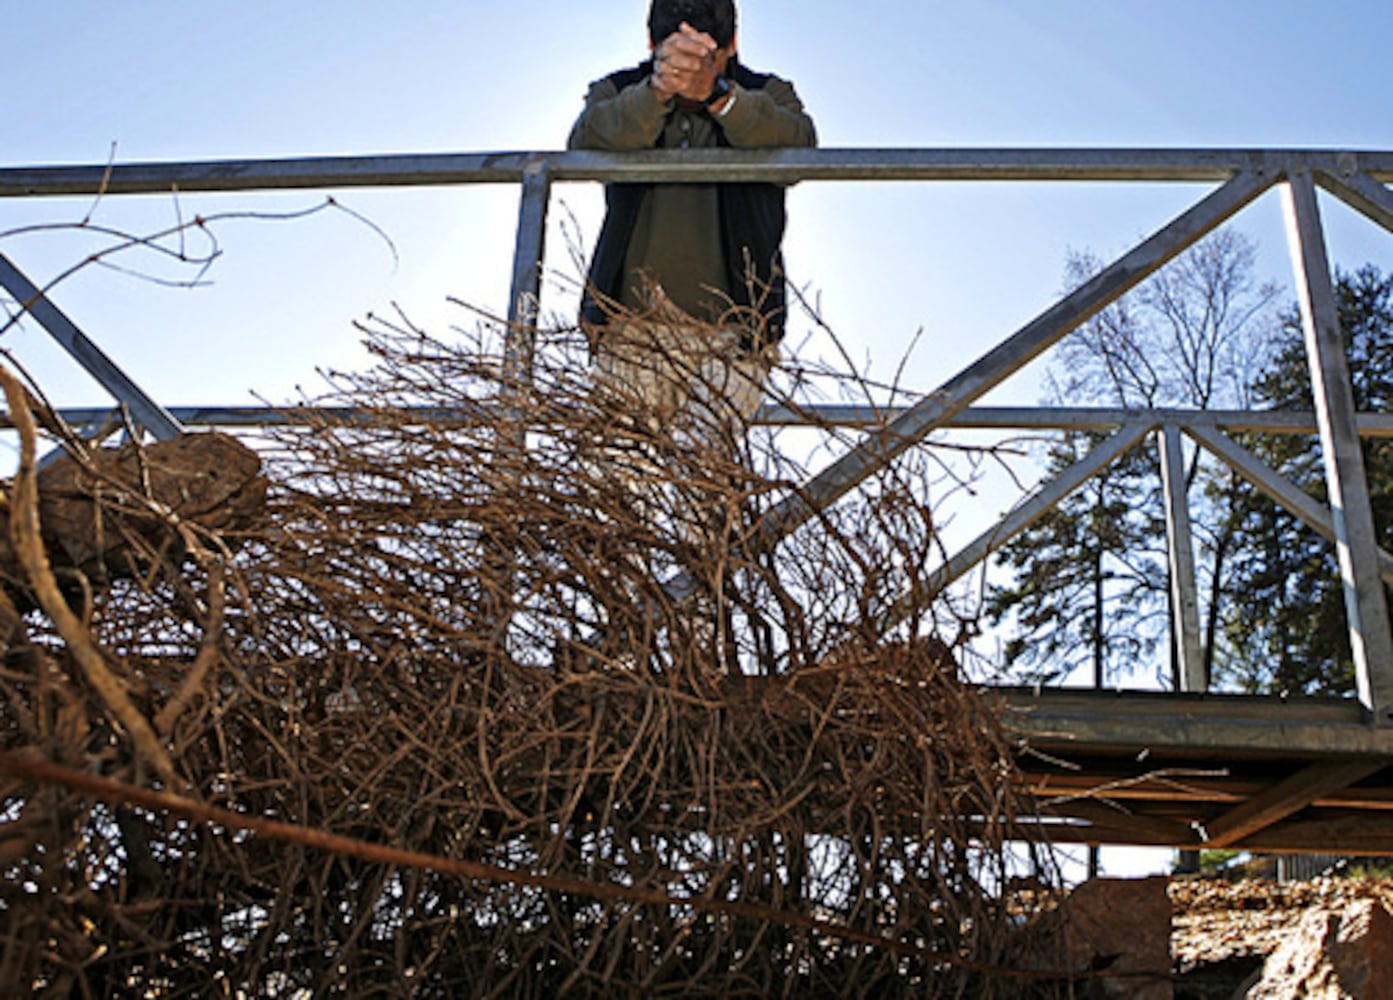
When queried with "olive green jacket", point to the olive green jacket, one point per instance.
{"points": [[714, 248]]}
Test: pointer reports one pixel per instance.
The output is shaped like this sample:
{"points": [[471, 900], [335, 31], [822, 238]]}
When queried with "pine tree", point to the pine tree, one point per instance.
{"points": [[1083, 597], [1090, 586], [1285, 629]]}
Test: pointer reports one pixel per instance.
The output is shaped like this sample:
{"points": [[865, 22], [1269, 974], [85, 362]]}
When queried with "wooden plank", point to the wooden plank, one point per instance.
{"points": [[1368, 834], [1353, 833], [1101, 783], [1102, 824], [1286, 798], [1056, 789], [1053, 789], [1098, 835]]}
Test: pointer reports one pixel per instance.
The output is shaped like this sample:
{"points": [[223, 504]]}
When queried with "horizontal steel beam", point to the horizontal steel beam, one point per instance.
{"points": [[999, 418], [1081, 418], [777, 165], [1211, 726]]}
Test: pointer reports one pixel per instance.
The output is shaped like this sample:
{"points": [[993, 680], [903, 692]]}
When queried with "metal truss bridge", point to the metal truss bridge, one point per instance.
{"points": [[1190, 768]]}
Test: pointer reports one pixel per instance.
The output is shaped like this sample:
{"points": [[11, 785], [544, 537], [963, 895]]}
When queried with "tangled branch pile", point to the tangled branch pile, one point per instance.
{"points": [[456, 633]]}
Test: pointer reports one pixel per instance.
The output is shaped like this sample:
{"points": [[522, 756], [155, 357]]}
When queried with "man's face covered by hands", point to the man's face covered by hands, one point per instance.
{"points": [[687, 62]]}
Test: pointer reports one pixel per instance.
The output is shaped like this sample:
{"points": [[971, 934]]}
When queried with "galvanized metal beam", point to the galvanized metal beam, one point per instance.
{"points": [[144, 410], [1045, 499], [524, 299], [1143, 725], [409, 170], [1362, 193], [1356, 541], [1284, 492], [1185, 607], [1077, 418], [1004, 418], [525, 293], [778, 165], [879, 448]]}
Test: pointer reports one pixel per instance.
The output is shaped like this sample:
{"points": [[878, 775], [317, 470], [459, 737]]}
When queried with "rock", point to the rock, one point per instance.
{"points": [[1121, 926], [1335, 952], [88, 510], [96, 515]]}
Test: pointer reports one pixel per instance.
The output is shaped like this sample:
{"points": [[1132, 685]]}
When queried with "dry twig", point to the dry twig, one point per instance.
{"points": [[444, 647]]}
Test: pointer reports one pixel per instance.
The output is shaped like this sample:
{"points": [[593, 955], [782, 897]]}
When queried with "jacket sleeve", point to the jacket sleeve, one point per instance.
{"points": [[771, 116], [618, 120]]}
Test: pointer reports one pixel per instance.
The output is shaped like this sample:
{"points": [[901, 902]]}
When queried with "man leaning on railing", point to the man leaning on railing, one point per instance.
{"points": [[686, 296], [685, 300]]}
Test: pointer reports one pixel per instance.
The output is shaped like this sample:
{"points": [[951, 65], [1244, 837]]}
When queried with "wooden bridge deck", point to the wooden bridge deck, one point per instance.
{"points": [[1206, 771]]}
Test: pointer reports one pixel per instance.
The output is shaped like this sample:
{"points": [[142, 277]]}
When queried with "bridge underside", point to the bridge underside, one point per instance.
{"points": [[1207, 771]]}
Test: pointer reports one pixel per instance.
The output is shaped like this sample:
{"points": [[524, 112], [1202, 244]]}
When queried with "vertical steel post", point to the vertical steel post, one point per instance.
{"points": [[1185, 613], [524, 297], [1356, 543], [144, 410]]}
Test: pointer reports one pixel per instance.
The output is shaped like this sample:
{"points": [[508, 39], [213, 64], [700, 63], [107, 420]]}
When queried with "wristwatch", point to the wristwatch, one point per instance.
{"points": [[719, 89]]}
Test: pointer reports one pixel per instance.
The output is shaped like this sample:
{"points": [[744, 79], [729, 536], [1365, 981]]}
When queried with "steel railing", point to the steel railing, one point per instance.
{"points": [[1358, 178]]}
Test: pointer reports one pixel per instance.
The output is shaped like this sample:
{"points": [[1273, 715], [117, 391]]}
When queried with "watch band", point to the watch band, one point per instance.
{"points": [[719, 89], [729, 104]]}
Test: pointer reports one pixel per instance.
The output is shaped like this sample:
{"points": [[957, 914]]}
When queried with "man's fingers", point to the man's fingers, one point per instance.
{"points": [[689, 50], [686, 61], [683, 62], [690, 41], [685, 30]]}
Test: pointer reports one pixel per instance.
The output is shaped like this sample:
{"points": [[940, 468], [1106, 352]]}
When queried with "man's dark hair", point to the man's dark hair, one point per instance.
{"points": [[715, 17]]}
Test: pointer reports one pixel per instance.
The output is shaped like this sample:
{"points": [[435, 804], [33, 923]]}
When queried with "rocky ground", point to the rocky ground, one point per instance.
{"points": [[1224, 930]]}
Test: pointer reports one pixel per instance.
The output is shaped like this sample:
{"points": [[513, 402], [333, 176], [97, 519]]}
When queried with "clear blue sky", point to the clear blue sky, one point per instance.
{"points": [[966, 263]]}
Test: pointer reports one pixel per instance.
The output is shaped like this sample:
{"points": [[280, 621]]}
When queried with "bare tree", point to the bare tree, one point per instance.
{"points": [[1193, 336]]}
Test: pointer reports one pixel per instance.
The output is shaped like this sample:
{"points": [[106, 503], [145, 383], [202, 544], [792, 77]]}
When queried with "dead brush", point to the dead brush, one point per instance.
{"points": [[583, 747]]}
